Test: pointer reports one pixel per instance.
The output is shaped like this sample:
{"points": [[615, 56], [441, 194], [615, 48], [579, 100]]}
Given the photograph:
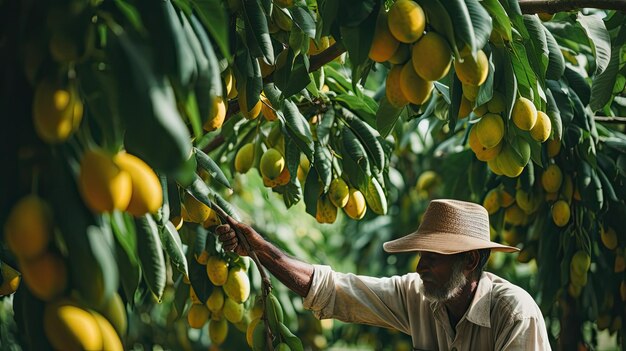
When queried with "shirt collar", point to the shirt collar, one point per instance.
{"points": [[479, 311]]}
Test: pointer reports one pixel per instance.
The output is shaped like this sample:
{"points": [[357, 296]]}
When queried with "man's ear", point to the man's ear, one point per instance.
{"points": [[473, 258]]}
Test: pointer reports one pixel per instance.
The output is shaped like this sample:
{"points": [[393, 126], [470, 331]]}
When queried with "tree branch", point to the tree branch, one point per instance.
{"points": [[554, 6], [610, 119]]}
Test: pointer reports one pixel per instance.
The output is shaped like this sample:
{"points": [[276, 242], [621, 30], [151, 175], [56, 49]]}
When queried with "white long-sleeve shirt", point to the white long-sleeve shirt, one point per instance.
{"points": [[502, 316]]}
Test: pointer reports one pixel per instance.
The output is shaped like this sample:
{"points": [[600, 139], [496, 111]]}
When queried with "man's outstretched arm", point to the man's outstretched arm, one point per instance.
{"points": [[295, 274]]}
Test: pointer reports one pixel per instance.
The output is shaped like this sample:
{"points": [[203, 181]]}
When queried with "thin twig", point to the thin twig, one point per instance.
{"points": [[554, 6], [610, 119]]}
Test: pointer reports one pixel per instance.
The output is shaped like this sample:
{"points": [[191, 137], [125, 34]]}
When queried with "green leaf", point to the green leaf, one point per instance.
{"points": [[364, 107], [555, 116], [562, 101], [462, 24], [131, 13], [311, 191], [539, 55], [298, 77], [355, 160], [129, 271], [481, 23], [354, 12], [485, 91], [556, 62], [323, 165], [213, 16], [174, 247], [290, 339], [386, 117], [599, 39], [509, 81], [155, 131], [91, 263], [369, 139], [578, 84], [603, 83], [501, 21], [607, 187], [303, 19], [209, 82], [199, 190], [328, 10], [324, 126], [297, 126], [199, 280], [206, 163], [439, 18], [257, 33], [150, 253], [173, 53], [358, 40], [456, 93], [526, 78]]}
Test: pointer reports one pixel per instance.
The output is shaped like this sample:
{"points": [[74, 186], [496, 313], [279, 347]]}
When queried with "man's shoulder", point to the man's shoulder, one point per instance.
{"points": [[509, 298]]}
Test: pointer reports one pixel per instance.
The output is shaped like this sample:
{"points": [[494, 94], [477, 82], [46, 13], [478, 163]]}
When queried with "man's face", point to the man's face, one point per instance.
{"points": [[443, 275]]}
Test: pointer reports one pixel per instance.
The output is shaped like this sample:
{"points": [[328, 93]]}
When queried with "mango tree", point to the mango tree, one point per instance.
{"points": [[138, 125]]}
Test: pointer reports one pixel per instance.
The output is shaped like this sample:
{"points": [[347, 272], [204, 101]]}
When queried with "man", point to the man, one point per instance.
{"points": [[448, 304]]}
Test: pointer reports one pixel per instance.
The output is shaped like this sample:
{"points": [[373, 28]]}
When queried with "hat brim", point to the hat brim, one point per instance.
{"points": [[442, 243]]}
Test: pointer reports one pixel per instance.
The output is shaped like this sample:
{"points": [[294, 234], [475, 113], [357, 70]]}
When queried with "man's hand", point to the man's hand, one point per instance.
{"points": [[226, 234]]}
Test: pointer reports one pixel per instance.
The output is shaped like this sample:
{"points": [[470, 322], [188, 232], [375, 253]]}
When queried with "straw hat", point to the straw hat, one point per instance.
{"points": [[449, 227]]}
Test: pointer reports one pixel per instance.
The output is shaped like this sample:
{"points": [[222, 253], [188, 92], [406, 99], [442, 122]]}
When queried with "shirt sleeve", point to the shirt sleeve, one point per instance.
{"points": [[527, 333], [359, 299]]}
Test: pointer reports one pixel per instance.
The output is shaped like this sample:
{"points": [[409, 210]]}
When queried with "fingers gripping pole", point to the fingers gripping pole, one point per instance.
{"points": [[266, 283]]}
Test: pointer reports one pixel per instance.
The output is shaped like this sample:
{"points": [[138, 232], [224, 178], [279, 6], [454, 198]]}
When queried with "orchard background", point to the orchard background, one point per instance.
{"points": [[131, 127]]}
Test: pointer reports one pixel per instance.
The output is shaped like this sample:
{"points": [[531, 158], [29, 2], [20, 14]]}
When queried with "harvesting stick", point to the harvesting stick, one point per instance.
{"points": [[266, 283]]}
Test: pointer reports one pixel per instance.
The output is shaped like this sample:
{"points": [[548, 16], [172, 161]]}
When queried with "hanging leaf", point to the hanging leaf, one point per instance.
{"points": [[538, 52], [386, 117], [462, 24], [311, 191], [297, 126], [155, 131], [209, 83], [364, 107], [174, 247], [556, 62], [213, 16], [599, 40], [353, 12], [355, 160], [324, 126], [303, 19], [509, 81], [257, 33], [173, 54], [206, 163], [91, 263], [481, 23], [150, 253], [578, 83], [358, 41], [526, 78], [555, 116], [455, 102], [439, 18], [322, 163], [369, 139], [603, 83], [501, 21]]}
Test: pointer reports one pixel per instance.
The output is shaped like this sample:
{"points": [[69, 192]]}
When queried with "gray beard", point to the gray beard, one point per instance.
{"points": [[450, 289]]}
